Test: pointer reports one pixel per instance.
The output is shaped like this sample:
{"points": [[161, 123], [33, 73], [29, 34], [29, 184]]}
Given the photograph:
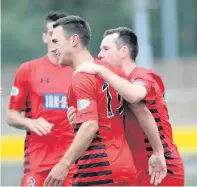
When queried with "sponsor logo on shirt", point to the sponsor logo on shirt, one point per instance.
{"points": [[82, 103], [31, 182], [14, 91], [55, 101]]}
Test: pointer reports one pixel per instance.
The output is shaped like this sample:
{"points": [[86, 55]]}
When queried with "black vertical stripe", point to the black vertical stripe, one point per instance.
{"points": [[76, 162], [168, 158], [27, 102], [97, 139], [146, 140], [157, 119], [153, 111], [92, 183], [120, 110], [28, 110], [162, 137], [26, 162], [124, 122], [93, 156], [149, 149], [170, 164], [27, 170], [92, 174], [93, 165], [95, 147], [168, 153], [170, 171], [26, 154], [165, 145]]}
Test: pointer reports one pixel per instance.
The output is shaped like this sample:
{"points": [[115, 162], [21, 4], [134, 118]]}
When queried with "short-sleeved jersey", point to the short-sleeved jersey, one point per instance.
{"points": [[137, 140], [40, 89], [107, 160]]}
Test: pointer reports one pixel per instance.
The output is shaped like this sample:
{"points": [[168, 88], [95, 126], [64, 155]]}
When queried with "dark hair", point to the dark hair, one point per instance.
{"points": [[54, 16], [76, 25], [125, 37]]}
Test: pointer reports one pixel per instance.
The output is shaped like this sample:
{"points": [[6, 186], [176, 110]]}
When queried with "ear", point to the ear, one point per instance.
{"points": [[44, 38], [124, 51], [75, 39]]}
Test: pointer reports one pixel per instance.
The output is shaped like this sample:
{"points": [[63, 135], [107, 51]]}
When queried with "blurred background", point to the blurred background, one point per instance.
{"points": [[167, 31]]}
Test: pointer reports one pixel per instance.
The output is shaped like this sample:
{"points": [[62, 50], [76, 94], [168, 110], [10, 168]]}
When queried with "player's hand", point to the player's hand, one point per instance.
{"points": [[40, 126], [71, 112], [57, 175], [157, 168], [90, 68]]}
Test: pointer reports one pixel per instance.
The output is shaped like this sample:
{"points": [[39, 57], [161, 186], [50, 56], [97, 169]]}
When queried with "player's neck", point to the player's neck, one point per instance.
{"points": [[52, 58], [128, 66], [81, 57]]}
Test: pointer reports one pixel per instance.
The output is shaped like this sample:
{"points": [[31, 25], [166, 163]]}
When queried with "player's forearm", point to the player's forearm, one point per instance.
{"points": [[148, 125], [81, 142], [17, 119], [130, 92]]}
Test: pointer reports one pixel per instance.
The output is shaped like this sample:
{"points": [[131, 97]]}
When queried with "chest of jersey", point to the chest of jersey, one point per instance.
{"points": [[49, 87]]}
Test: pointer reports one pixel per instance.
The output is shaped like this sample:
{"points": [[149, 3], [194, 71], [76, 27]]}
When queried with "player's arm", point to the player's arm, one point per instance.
{"points": [[87, 119], [86, 115], [143, 114], [81, 142], [148, 125], [19, 93], [132, 93], [17, 119], [157, 164]]}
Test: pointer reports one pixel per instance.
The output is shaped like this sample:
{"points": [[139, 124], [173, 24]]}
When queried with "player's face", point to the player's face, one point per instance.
{"points": [[61, 46], [109, 52]]}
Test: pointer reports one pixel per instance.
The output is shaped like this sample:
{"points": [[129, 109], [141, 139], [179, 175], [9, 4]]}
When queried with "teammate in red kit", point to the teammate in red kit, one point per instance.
{"points": [[40, 89], [99, 148], [120, 46]]}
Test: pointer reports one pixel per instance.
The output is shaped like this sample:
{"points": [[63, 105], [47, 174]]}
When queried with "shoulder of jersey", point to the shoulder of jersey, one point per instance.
{"points": [[150, 75], [34, 61], [109, 66], [83, 77], [144, 71]]}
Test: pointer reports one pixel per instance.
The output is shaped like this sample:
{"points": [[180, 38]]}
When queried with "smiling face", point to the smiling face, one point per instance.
{"points": [[62, 45], [71, 36]]}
